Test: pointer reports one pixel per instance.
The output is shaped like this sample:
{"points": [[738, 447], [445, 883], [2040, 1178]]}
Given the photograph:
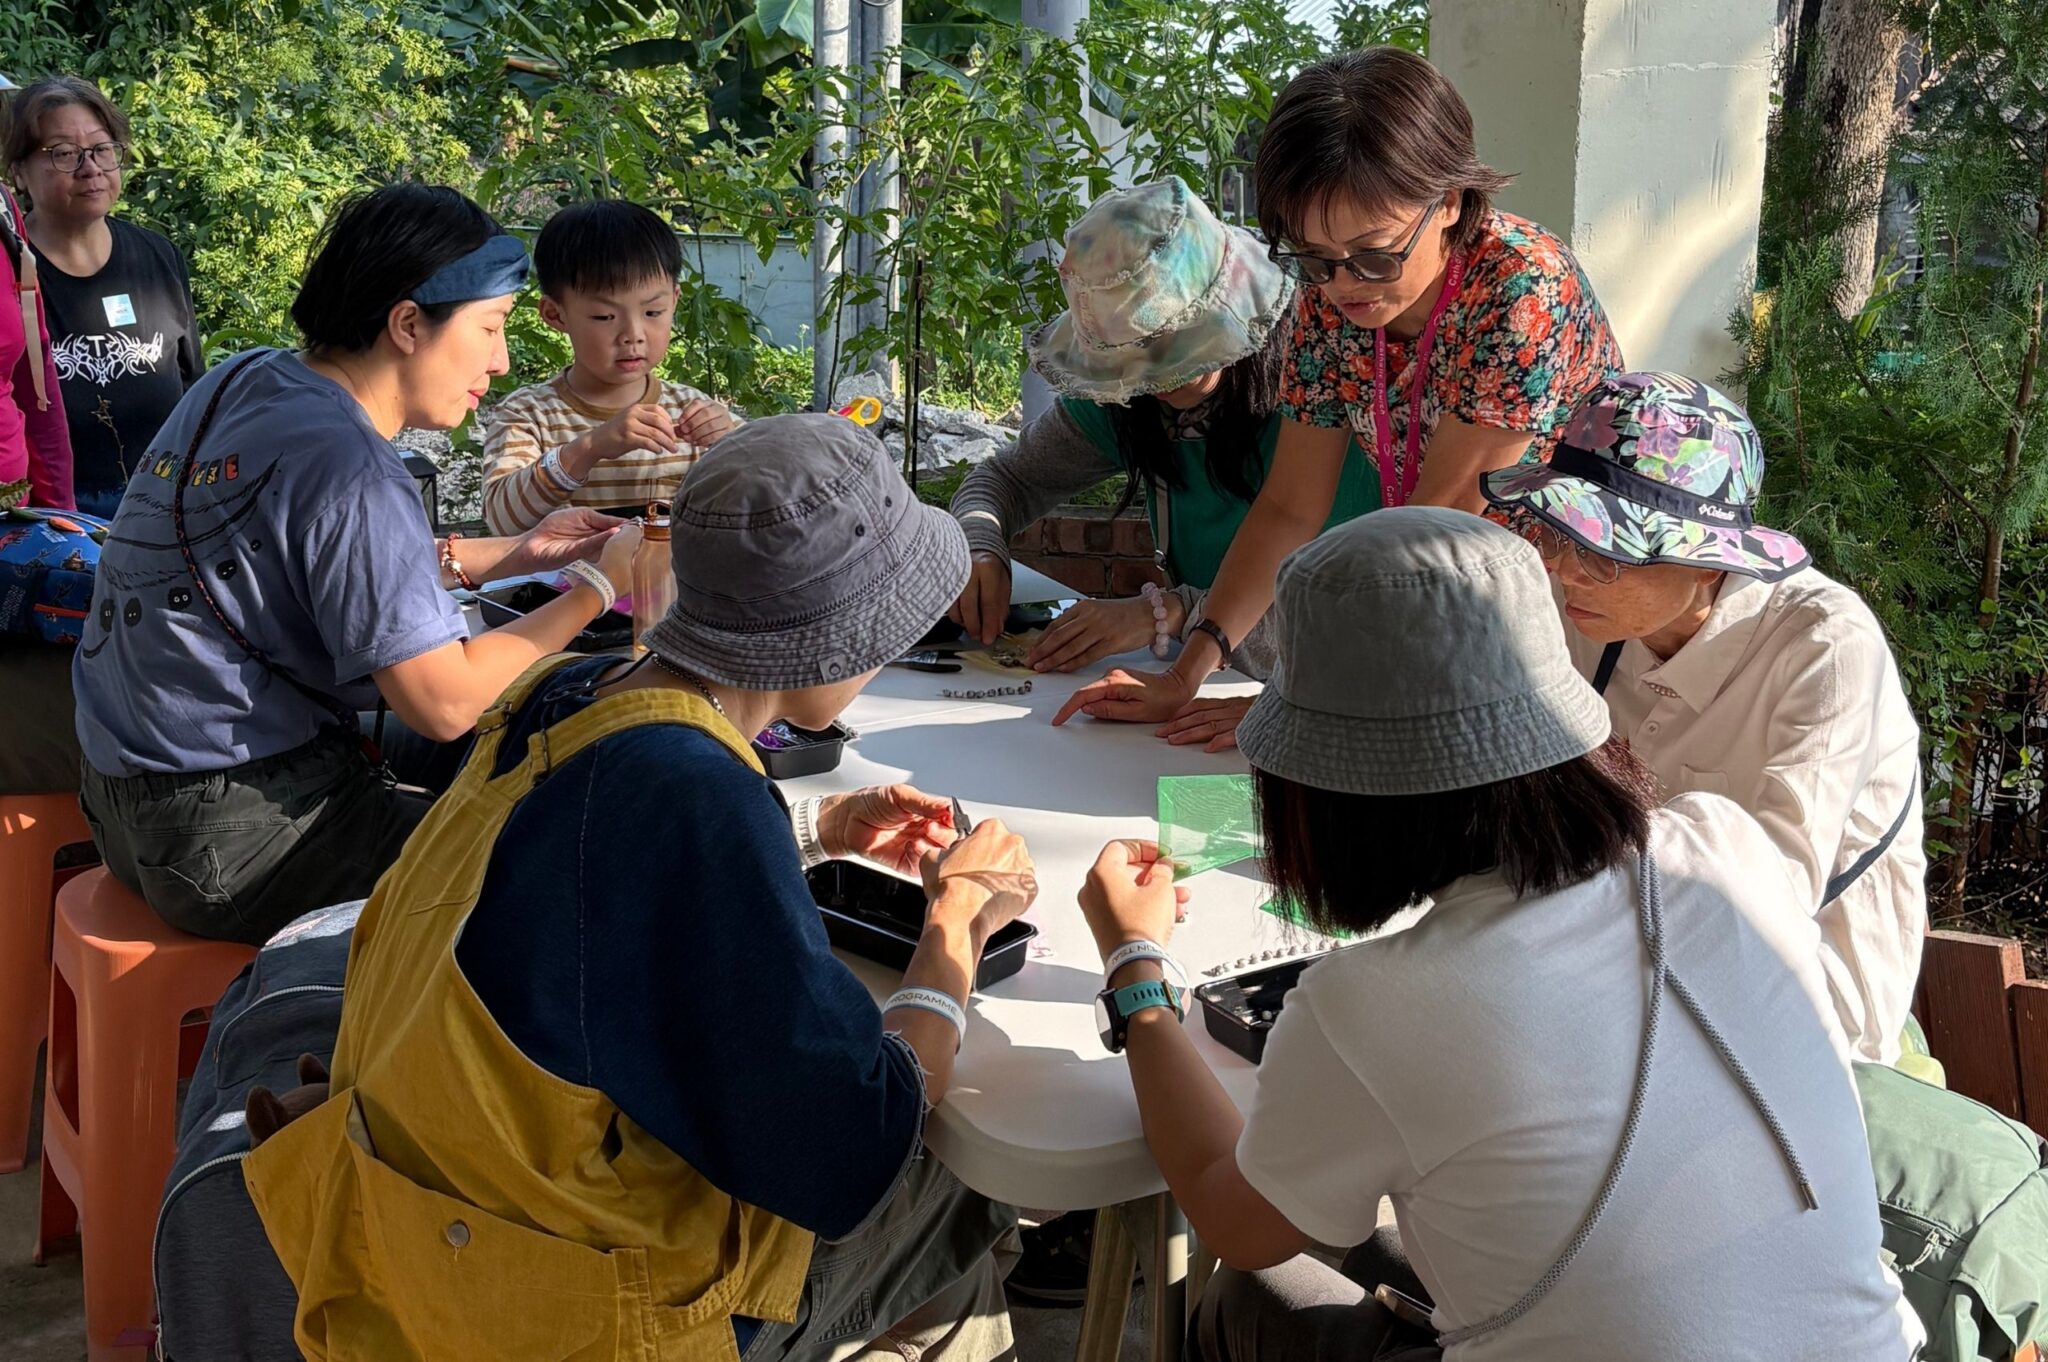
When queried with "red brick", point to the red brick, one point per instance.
{"points": [[1098, 534], [1127, 576], [1066, 534], [1133, 537]]}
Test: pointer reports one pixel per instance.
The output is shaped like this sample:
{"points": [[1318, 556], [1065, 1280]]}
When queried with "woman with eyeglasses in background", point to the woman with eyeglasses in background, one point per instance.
{"points": [[1448, 337], [1731, 665], [118, 296]]}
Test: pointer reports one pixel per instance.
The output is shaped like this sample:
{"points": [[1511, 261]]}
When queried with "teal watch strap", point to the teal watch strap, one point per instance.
{"points": [[1122, 1004]]}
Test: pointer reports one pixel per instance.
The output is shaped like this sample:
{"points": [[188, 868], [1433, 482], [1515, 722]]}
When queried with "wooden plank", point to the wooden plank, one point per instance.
{"points": [[1969, 1017], [2030, 1030]]}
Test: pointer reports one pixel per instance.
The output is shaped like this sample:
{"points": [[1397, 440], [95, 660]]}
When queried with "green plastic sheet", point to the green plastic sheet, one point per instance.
{"points": [[1206, 822]]}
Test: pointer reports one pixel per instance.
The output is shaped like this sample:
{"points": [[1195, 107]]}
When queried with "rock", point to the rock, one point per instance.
{"points": [[975, 451], [952, 421]]}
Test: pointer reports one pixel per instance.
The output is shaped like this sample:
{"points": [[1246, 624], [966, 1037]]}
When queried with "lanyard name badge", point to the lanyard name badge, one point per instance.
{"points": [[1397, 485]]}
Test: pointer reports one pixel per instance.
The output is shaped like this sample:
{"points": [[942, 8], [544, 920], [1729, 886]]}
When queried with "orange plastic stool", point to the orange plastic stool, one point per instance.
{"points": [[121, 985], [32, 827]]}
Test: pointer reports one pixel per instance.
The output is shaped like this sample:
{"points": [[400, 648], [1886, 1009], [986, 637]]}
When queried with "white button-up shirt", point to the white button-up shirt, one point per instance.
{"points": [[1788, 702]]}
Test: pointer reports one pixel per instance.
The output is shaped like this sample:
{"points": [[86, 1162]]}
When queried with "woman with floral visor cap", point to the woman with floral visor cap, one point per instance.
{"points": [[1732, 665]]}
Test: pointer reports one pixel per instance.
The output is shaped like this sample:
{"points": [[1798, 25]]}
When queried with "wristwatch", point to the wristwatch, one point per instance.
{"points": [[1205, 625], [1114, 1008]]}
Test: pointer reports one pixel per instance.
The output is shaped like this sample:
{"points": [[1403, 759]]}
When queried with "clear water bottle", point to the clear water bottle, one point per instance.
{"points": [[654, 578]]}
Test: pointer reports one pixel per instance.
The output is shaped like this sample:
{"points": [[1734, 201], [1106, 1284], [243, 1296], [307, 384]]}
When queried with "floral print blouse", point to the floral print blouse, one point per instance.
{"points": [[1522, 342]]}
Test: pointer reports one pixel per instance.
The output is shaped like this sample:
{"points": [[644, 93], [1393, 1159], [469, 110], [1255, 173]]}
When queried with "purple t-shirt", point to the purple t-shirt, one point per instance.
{"points": [[313, 541]]}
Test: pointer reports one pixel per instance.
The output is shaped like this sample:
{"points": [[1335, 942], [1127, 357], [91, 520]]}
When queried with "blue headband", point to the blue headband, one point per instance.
{"points": [[492, 270]]}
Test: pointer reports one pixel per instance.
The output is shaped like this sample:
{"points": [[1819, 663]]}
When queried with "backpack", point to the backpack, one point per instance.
{"points": [[1963, 1199], [222, 1295], [48, 560]]}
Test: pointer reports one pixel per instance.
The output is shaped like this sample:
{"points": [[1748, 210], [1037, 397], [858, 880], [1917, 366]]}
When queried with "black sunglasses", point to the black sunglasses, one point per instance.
{"points": [[1367, 267]]}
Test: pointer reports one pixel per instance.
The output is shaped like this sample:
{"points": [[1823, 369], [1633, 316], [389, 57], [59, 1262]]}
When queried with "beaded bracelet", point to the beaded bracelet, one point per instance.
{"points": [[453, 568], [1161, 639], [991, 693]]}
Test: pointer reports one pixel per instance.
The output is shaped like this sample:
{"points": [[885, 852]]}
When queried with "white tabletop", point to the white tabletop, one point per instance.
{"points": [[1039, 1114]]}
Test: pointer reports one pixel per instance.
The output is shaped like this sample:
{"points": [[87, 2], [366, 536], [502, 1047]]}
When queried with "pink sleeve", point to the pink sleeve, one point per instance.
{"points": [[46, 432], [49, 434]]}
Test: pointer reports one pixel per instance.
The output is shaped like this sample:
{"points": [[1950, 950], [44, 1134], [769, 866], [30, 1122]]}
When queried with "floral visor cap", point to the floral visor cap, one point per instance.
{"points": [[1159, 293], [1656, 468]]}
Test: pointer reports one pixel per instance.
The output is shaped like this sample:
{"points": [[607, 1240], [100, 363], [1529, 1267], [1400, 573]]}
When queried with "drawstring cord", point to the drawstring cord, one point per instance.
{"points": [[1650, 914]]}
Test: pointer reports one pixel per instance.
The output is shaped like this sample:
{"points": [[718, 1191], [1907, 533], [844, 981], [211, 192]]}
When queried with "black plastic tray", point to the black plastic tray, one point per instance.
{"points": [[816, 751], [879, 917], [1240, 1011], [502, 605]]}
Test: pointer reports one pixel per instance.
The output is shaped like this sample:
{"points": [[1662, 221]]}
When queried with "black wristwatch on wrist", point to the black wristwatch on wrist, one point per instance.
{"points": [[1205, 625]]}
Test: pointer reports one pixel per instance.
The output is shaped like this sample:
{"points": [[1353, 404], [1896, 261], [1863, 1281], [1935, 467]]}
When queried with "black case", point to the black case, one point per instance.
{"points": [[1240, 1011], [880, 917], [816, 752], [505, 604]]}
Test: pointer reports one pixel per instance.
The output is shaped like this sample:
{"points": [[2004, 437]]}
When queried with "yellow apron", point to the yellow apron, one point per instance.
{"points": [[451, 1200]]}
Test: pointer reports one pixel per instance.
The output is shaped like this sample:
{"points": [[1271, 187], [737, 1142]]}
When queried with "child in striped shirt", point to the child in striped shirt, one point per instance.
{"points": [[607, 432]]}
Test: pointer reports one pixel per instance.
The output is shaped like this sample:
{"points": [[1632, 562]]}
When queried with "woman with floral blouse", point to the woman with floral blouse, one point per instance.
{"points": [[1449, 338]]}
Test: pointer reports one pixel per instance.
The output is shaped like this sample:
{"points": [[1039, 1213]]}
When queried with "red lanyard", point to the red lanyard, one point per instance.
{"points": [[1396, 488]]}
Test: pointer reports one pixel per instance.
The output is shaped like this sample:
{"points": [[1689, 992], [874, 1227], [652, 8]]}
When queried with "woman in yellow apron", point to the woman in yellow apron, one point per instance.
{"points": [[601, 1090]]}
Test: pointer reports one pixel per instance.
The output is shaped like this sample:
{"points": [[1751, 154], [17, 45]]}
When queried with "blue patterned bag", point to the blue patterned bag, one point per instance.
{"points": [[47, 563]]}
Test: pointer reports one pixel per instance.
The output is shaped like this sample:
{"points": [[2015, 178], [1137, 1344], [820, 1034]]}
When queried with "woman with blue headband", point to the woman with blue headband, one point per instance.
{"points": [[273, 573]]}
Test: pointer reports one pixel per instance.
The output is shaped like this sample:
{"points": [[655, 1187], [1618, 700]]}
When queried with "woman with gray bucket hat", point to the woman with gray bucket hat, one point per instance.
{"points": [[1599, 1077], [1167, 361], [1732, 665], [593, 1026]]}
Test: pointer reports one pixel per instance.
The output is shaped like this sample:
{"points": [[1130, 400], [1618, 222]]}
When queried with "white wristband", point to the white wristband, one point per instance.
{"points": [[591, 576], [552, 463], [1144, 950], [803, 821], [931, 1000]]}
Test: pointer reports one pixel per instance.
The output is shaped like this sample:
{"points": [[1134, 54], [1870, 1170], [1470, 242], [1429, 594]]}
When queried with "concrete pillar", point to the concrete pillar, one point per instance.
{"points": [[1635, 130], [880, 191], [1062, 19], [832, 40]]}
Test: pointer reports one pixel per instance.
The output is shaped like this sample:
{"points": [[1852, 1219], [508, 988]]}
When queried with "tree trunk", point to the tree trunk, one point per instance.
{"points": [[1853, 94]]}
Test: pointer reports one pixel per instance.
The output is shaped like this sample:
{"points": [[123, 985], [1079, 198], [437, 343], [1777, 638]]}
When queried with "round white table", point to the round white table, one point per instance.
{"points": [[1040, 1114]]}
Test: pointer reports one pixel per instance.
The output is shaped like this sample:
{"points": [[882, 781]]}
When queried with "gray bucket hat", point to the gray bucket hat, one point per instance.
{"points": [[1420, 651], [802, 558]]}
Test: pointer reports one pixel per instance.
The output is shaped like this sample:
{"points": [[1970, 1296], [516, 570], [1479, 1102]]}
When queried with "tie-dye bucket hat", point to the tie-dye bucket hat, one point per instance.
{"points": [[1655, 468], [1159, 292]]}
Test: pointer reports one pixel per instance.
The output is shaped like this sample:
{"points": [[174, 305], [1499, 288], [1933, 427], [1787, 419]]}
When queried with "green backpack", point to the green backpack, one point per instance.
{"points": [[1963, 1196]]}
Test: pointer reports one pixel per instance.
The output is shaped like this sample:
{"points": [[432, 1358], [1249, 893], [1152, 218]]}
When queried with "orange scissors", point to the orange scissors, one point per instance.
{"points": [[863, 411]]}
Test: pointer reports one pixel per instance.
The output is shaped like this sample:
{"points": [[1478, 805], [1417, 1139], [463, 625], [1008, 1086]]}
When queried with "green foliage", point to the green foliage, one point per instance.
{"points": [[1909, 449], [253, 117]]}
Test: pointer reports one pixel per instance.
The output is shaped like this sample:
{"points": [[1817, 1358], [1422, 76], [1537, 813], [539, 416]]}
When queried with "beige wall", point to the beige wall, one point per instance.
{"points": [[1635, 129]]}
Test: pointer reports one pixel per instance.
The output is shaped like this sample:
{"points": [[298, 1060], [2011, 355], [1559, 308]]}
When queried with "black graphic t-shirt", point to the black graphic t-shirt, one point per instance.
{"points": [[126, 348]]}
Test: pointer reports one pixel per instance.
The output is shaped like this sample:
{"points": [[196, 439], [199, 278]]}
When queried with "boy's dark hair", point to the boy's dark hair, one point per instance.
{"points": [[603, 247], [1349, 862], [374, 250], [1382, 128]]}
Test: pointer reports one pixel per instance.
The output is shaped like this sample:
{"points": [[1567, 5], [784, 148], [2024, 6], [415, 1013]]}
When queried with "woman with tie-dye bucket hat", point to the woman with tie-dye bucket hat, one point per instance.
{"points": [[1167, 363], [1733, 665]]}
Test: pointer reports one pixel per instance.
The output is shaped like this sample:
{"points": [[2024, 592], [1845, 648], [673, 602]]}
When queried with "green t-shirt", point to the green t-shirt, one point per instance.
{"points": [[1202, 517]]}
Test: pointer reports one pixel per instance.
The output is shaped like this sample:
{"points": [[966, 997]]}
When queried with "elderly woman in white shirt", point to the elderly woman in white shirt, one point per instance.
{"points": [[1731, 665]]}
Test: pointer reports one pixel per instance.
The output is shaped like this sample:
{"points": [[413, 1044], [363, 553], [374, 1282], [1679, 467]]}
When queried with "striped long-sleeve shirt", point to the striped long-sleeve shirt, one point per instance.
{"points": [[544, 416]]}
